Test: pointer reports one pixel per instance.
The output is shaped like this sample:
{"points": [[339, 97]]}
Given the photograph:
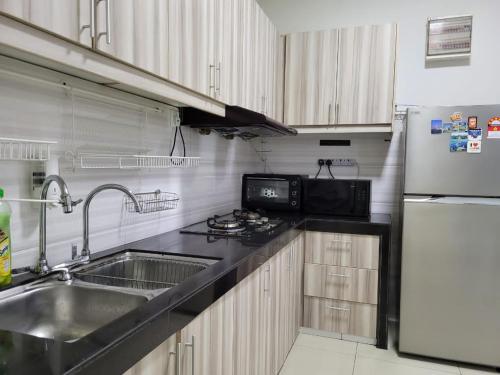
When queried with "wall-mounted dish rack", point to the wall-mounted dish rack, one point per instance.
{"points": [[153, 201], [24, 149], [107, 161]]}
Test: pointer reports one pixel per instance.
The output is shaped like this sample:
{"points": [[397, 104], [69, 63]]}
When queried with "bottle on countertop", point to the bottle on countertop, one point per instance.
{"points": [[5, 242]]}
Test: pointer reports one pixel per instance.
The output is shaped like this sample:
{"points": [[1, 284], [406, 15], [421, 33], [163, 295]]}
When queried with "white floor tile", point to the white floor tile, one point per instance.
{"points": [[390, 355], [370, 366], [303, 360], [326, 343], [477, 370]]}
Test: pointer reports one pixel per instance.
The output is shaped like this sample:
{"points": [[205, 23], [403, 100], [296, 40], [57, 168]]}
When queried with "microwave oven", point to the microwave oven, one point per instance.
{"points": [[279, 192], [350, 198]]}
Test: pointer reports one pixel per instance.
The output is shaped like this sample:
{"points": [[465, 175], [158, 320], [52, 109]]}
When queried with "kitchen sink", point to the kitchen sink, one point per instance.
{"points": [[145, 271], [98, 294], [64, 311]]}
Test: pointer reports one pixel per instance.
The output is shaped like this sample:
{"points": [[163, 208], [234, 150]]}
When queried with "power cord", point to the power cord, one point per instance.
{"points": [[321, 162], [329, 164], [178, 130]]}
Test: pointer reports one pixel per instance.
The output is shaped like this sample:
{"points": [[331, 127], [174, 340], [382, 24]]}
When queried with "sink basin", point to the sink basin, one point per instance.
{"points": [[146, 271], [64, 312]]}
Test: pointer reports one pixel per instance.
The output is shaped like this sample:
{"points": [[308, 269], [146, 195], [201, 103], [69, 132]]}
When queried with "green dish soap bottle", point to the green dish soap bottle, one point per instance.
{"points": [[5, 242]]}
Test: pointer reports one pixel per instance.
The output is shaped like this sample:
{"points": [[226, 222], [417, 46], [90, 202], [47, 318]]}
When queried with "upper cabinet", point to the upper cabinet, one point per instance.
{"points": [[340, 77], [366, 72], [191, 44], [68, 18], [311, 78], [135, 32], [226, 49]]}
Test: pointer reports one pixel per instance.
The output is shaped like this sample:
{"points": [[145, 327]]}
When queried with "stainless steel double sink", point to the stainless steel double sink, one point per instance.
{"points": [[99, 293]]}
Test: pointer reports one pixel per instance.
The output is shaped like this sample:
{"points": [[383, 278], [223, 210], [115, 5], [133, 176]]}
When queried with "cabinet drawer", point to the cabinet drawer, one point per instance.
{"points": [[357, 319], [341, 249], [341, 283]]}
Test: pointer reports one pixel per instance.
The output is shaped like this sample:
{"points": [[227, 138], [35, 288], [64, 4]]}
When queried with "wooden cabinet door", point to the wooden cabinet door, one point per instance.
{"points": [[342, 249], [191, 44], [310, 78], [222, 335], [159, 361], [284, 312], [138, 33], [366, 72], [248, 353], [195, 349], [67, 18], [269, 331]]}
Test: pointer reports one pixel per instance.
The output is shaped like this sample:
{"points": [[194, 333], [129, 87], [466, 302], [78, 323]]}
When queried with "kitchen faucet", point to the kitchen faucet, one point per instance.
{"points": [[67, 203], [85, 255]]}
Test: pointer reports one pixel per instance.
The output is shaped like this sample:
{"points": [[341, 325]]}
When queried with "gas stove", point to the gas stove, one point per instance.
{"points": [[239, 224]]}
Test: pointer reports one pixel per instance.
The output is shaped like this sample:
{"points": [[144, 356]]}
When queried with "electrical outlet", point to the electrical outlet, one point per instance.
{"points": [[344, 162]]}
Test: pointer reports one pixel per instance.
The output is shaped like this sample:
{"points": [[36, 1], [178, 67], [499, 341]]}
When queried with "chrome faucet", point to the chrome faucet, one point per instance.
{"points": [[42, 267], [85, 255]]}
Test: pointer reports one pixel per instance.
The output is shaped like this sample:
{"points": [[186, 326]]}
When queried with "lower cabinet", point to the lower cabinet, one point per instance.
{"points": [[248, 331], [341, 284], [162, 360], [347, 318]]}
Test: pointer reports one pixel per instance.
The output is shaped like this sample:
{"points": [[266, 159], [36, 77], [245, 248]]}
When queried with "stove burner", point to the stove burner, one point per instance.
{"points": [[227, 225], [246, 215]]}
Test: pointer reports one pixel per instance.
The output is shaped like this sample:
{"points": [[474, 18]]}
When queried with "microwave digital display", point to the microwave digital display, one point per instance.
{"points": [[260, 190]]}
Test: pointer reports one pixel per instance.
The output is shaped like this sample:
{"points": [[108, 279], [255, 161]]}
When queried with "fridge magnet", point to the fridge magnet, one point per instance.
{"points": [[447, 127], [472, 122], [458, 142], [475, 134], [436, 126], [494, 128], [456, 116], [462, 126], [473, 147]]}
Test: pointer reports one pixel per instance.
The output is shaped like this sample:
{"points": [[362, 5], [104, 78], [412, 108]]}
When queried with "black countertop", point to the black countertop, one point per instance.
{"points": [[117, 346]]}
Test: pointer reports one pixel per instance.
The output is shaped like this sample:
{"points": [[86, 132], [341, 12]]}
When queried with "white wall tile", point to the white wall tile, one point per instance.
{"points": [[36, 111]]}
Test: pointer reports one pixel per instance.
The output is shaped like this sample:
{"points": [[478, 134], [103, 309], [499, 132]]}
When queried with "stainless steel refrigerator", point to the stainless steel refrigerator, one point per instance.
{"points": [[450, 277]]}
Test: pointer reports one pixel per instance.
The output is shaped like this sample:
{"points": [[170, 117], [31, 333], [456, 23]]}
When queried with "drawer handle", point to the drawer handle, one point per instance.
{"points": [[339, 308], [338, 275], [344, 245]]}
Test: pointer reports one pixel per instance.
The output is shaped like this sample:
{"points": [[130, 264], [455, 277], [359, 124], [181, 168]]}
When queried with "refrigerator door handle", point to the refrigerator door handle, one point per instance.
{"points": [[454, 200]]}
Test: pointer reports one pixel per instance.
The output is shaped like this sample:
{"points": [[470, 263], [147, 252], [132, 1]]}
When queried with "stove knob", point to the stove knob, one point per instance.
{"points": [[294, 183], [294, 203], [294, 193]]}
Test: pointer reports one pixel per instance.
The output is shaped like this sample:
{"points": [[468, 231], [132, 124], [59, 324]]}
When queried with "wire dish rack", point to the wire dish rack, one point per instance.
{"points": [[24, 149], [136, 271], [153, 201], [108, 161]]}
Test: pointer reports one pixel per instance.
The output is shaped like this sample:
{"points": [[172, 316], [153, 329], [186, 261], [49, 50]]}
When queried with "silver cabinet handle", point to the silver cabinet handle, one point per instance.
{"points": [[108, 21], [217, 78], [178, 359], [329, 113], [268, 272], [338, 275], [211, 79], [339, 308], [333, 247], [191, 345], [91, 25], [336, 113]]}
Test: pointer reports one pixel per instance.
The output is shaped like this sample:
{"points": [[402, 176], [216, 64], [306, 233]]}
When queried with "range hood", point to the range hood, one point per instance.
{"points": [[238, 122]]}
